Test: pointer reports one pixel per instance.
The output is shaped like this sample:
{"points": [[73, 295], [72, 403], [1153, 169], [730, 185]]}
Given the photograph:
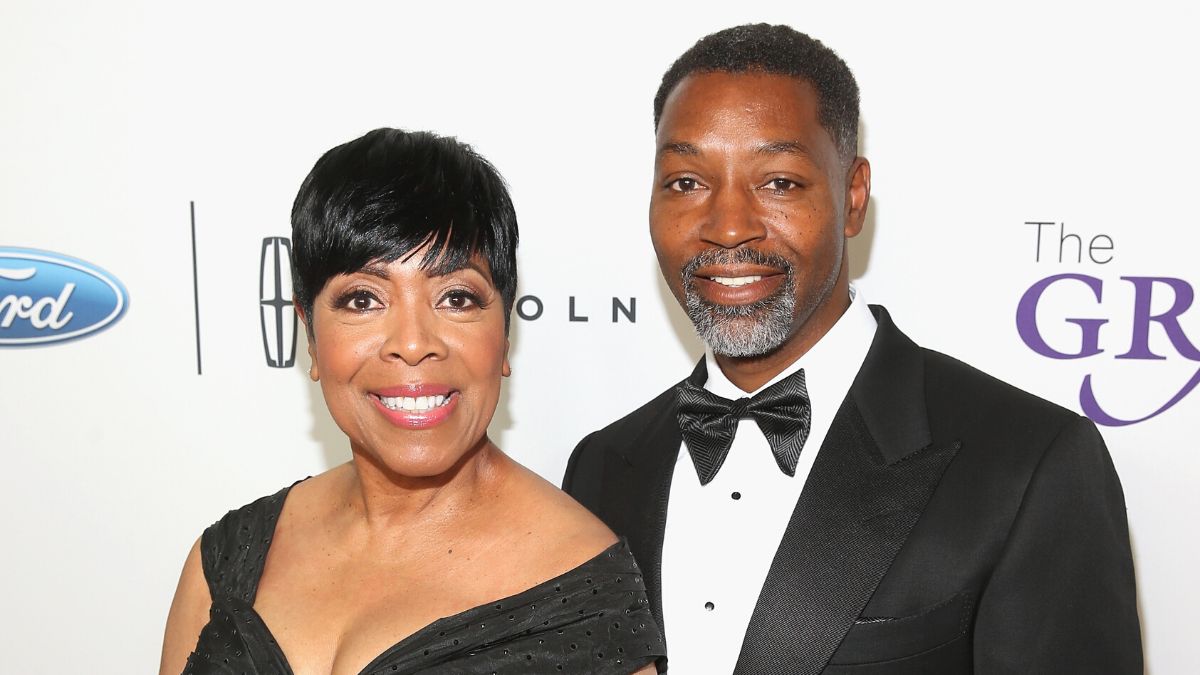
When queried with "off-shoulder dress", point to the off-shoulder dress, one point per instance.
{"points": [[592, 619]]}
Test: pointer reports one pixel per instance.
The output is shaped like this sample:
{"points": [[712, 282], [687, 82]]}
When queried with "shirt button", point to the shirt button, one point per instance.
{"points": [[736, 495], [709, 606]]}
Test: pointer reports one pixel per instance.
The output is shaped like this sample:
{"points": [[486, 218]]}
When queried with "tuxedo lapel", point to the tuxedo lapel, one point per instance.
{"points": [[868, 486]]}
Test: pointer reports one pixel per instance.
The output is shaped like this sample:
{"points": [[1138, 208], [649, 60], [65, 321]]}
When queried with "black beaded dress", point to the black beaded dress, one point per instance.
{"points": [[593, 619]]}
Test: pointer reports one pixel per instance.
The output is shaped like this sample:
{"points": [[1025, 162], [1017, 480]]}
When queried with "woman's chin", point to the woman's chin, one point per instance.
{"points": [[416, 463]]}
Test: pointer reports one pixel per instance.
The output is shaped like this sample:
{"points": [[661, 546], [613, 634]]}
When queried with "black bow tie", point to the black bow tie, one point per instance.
{"points": [[708, 421]]}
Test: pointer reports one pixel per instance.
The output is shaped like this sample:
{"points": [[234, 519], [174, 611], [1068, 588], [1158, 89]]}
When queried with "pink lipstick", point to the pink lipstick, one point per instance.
{"points": [[416, 406]]}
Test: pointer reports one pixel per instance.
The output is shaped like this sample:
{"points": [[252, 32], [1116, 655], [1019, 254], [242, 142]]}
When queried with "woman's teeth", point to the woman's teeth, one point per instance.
{"points": [[417, 404], [736, 281]]}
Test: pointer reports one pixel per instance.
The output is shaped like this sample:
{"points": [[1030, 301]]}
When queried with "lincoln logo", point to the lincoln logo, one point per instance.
{"points": [[49, 297], [276, 315]]}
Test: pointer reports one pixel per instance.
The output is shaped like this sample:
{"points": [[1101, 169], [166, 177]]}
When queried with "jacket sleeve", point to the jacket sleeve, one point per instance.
{"points": [[1062, 598], [579, 479]]}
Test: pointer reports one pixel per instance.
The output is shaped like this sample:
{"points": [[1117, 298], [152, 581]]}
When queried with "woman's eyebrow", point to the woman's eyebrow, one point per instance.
{"points": [[376, 270], [470, 264]]}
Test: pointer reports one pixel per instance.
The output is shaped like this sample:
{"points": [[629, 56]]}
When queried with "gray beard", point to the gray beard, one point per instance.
{"points": [[741, 330]]}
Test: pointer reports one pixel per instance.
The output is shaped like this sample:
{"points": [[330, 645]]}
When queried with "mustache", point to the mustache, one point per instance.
{"points": [[724, 256]]}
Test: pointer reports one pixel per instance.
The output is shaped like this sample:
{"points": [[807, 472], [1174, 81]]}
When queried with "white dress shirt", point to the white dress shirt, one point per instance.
{"points": [[721, 537]]}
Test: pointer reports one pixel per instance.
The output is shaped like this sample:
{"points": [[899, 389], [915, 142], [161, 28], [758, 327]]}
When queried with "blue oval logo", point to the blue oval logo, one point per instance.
{"points": [[48, 297]]}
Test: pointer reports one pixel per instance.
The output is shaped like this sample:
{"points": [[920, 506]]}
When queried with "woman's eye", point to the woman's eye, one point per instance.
{"points": [[460, 300], [683, 184], [360, 301]]}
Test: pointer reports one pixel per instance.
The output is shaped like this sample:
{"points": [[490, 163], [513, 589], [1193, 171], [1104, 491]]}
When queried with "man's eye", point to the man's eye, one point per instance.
{"points": [[683, 184], [360, 301], [782, 184]]}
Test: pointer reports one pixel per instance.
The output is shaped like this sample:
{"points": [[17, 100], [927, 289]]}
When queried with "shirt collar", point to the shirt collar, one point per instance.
{"points": [[829, 366]]}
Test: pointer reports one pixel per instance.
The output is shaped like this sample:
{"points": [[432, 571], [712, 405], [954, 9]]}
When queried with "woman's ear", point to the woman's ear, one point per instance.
{"points": [[313, 372], [506, 369]]}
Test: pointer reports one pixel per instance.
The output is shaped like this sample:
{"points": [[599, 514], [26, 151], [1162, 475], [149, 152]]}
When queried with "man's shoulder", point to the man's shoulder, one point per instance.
{"points": [[954, 391], [584, 466], [636, 421], [958, 389]]}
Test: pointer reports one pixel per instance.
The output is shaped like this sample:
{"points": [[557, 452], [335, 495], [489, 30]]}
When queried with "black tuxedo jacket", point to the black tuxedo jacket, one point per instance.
{"points": [[951, 524]]}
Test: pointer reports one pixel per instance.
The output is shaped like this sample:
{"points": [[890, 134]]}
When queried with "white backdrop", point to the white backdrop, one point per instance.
{"points": [[116, 116]]}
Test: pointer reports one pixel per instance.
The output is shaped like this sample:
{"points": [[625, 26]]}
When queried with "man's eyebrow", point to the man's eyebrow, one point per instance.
{"points": [[678, 148], [783, 148]]}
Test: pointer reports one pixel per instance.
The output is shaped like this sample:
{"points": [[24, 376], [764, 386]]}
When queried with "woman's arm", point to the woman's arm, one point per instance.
{"points": [[189, 613]]}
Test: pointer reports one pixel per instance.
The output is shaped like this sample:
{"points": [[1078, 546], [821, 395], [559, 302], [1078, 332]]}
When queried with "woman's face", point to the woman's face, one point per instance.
{"points": [[410, 363]]}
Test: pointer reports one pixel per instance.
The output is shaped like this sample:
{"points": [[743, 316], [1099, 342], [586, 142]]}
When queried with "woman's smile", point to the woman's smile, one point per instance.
{"points": [[419, 406]]}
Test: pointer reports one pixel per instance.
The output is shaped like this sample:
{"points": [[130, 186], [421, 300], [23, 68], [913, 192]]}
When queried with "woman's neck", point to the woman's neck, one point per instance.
{"points": [[386, 503]]}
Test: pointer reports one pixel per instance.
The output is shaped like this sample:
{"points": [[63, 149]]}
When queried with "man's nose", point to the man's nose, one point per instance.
{"points": [[733, 218], [412, 335]]}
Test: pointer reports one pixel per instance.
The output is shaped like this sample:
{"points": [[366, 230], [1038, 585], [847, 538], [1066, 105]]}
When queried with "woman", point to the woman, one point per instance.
{"points": [[431, 550]]}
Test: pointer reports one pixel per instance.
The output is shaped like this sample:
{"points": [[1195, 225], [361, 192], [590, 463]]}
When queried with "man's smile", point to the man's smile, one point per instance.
{"points": [[736, 284]]}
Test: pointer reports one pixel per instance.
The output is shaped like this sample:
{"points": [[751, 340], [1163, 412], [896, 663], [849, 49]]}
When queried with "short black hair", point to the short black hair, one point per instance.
{"points": [[776, 50], [383, 196]]}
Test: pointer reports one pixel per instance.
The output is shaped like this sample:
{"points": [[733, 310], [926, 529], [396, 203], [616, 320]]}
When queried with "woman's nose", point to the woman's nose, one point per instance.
{"points": [[412, 336], [732, 219]]}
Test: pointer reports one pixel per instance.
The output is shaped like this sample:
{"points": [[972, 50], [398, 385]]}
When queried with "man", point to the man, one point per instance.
{"points": [[821, 494]]}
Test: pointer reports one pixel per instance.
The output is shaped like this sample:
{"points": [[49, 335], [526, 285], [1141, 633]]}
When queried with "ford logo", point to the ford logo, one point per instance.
{"points": [[49, 297]]}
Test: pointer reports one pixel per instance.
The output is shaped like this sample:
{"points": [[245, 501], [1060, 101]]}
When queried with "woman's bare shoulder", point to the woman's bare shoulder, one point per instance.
{"points": [[316, 490], [189, 613], [309, 500], [568, 532]]}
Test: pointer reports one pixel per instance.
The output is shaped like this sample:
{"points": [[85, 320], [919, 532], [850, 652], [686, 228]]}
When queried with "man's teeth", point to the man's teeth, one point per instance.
{"points": [[736, 281], [417, 404]]}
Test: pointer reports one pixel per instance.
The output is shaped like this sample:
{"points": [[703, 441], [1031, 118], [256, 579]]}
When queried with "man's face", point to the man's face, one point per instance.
{"points": [[750, 212]]}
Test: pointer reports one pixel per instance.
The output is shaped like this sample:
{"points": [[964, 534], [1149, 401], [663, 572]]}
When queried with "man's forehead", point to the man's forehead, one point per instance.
{"points": [[717, 89], [762, 113], [765, 148]]}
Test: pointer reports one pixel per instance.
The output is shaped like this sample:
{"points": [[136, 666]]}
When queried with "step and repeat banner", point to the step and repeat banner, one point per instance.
{"points": [[1032, 215]]}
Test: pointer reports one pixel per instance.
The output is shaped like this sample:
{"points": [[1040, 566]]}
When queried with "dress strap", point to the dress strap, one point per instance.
{"points": [[233, 550]]}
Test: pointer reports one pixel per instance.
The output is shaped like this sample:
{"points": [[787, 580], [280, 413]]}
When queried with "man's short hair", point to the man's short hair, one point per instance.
{"points": [[383, 196], [776, 50]]}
